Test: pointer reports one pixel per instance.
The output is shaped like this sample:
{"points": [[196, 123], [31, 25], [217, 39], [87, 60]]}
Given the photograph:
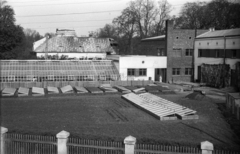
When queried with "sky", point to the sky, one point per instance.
{"points": [[81, 15]]}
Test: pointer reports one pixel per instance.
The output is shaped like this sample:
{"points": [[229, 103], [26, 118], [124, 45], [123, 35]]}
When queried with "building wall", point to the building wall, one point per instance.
{"points": [[215, 43], [141, 62], [75, 55], [150, 47], [180, 39]]}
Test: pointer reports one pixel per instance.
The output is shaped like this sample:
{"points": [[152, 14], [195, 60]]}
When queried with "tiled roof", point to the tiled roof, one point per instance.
{"points": [[220, 33], [75, 44]]}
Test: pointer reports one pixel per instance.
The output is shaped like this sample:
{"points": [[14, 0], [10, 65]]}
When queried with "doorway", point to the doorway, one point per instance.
{"points": [[160, 72]]}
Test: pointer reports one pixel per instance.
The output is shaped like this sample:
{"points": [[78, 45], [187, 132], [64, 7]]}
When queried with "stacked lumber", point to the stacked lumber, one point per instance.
{"points": [[23, 91], [107, 88], [36, 91], [181, 111], [94, 90], [52, 90], [81, 89], [67, 89], [158, 111], [8, 91], [139, 90], [122, 89]]}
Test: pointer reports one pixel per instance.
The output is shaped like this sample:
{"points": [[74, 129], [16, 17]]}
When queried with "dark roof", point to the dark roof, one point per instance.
{"points": [[220, 33]]}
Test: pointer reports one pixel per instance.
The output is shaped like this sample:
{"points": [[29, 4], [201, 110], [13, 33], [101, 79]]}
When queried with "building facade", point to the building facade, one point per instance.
{"points": [[217, 47], [180, 47]]}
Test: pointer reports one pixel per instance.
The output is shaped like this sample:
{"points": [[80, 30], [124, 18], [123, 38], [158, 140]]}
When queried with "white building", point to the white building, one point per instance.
{"points": [[134, 67], [216, 47]]}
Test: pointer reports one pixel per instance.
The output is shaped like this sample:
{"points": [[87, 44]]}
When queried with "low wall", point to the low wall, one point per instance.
{"points": [[73, 83]]}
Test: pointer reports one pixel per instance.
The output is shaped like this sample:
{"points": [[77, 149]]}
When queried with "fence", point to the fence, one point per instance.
{"points": [[73, 83], [63, 144]]}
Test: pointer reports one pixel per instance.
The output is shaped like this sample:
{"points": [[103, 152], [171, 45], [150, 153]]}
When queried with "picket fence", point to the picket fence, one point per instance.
{"points": [[12, 143], [45, 84]]}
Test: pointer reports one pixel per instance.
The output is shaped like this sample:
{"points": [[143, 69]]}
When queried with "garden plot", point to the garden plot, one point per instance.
{"points": [[181, 111], [23, 91], [8, 91], [67, 89], [52, 90], [122, 89], [81, 89], [36, 91]]}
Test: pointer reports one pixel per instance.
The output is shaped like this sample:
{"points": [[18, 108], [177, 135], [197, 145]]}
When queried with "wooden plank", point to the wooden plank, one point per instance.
{"points": [[139, 90], [8, 91], [36, 91], [81, 89], [23, 91], [94, 90], [67, 89], [122, 89], [52, 90]]}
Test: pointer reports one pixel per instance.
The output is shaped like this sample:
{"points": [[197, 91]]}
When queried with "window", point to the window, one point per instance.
{"points": [[50, 77], [199, 43], [131, 72], [177, 37], [199, 52], [102, 77], [208, 43], [190, 38], [216, 43], [71, 78], [137, 72], [113, 77], [142, 72], [160, 51], [176, 71], [217, 53], [234, 53], [11, 78], [188, 71], [188, 52], [177, 52], [30, 77], [233, 43]]}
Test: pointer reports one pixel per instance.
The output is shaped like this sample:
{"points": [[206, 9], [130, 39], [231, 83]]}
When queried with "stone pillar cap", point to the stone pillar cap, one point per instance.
{"points": [[130, 140], [3, 130], [206, 145], [63, 134]]}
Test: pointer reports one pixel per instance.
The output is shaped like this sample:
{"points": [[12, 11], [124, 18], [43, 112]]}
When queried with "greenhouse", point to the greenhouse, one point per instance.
{"points": [[57, 70]]}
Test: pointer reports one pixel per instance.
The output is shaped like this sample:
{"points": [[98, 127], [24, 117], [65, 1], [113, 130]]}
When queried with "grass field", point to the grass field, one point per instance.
{"points": [[109, 117]]}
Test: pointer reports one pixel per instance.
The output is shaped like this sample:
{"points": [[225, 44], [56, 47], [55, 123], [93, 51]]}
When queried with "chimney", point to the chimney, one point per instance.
{"points": [[211, 29]]}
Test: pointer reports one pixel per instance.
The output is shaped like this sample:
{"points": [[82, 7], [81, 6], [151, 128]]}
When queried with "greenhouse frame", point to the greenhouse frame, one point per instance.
{"points": [[57, 70]]}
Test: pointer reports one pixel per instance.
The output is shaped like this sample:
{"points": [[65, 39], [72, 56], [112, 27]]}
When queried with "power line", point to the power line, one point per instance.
{"points": [[68, 13], [67, 3], [64, 21], [64, 27]]}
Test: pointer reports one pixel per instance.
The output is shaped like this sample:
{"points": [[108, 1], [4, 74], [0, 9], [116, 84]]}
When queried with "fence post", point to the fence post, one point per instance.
{"points": [[3, 131], [62, 142], [207, 147], [129, 144]]}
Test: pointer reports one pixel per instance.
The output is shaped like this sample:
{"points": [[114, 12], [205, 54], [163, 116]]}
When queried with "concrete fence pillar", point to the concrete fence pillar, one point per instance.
{"points": [[129, 144], [207, 147], [3, 132], [62, 138]]}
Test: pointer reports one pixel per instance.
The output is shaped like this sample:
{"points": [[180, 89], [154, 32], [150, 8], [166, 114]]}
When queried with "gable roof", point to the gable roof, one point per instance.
{"points": [[220, 33], [75, 44]]}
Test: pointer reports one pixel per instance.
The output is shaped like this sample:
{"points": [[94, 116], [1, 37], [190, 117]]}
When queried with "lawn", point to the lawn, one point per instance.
{"points": [[109, 117]]}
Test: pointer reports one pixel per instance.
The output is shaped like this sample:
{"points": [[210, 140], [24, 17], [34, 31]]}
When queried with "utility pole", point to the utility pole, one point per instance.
{"points": [[193, 59], [224, 61]]}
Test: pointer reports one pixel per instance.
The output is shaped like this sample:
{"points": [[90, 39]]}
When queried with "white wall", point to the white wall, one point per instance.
{"points": [[148, 62], [213, 45], [76, 55], [38, 43]]}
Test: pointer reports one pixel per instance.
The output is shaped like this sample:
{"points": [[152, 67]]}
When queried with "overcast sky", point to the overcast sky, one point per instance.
{"points": [[81, 15]]}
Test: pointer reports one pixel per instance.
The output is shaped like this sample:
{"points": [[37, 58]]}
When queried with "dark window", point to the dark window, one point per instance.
{"points": [[131, 72], [176, 71], [142, 72], [177, 37], [199, 52], [208, 43], [190, 37], [217, 53], [234, 53], [199, 43], [216, 43], [233, 43], [188, 52], [188, 71]]}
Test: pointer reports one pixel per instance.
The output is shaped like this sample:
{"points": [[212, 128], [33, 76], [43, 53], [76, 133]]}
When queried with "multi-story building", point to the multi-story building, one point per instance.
{"points": [[217, 47]]}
